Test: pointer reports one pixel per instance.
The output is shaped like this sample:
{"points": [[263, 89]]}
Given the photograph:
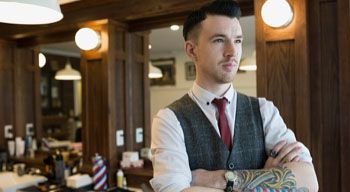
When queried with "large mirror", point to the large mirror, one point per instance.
{"points": [[60, 90]]}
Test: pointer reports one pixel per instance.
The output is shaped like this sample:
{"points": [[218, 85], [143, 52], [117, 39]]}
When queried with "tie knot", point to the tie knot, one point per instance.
{"points": [[220, 103]]}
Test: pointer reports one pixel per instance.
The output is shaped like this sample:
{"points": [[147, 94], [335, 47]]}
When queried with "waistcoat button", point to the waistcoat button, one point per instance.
{"points": [[231, 166]]}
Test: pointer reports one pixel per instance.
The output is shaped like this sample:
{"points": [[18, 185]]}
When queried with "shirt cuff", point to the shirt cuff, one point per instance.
{"points": [[169, 183]]}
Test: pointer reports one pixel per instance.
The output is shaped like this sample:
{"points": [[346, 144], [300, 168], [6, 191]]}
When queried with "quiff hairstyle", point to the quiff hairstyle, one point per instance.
{"points": [[229, 8]]}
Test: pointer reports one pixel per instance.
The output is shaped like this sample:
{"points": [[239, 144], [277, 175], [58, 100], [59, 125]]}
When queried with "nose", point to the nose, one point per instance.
{"points": [[230, 49]]}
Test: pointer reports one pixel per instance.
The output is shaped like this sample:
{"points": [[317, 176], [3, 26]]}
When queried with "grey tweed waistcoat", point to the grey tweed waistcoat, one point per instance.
{"points": [[204, 146]]}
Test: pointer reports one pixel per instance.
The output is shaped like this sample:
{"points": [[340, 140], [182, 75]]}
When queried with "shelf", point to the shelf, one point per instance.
{"points": [[54, 120]]}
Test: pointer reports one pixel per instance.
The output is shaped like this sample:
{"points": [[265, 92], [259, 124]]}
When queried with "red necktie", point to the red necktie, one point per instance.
{"points": [[223, 123]]}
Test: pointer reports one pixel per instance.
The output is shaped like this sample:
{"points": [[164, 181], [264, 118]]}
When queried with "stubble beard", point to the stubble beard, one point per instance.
{"points": [[223, 77]]}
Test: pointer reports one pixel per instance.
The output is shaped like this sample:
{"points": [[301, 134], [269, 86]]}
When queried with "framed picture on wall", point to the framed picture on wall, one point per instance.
{"points": [[167, 66], [190, 71]]}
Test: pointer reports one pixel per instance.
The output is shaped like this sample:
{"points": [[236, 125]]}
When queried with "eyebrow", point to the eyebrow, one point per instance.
{"points": [[222, 35]]}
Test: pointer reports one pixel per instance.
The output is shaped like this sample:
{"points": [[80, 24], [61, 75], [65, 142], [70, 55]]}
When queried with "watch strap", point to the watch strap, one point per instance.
{"points": [[229, 186]]}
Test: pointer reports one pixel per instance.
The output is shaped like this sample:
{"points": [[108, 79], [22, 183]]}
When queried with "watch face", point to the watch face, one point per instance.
{"points": [[229, 176]]}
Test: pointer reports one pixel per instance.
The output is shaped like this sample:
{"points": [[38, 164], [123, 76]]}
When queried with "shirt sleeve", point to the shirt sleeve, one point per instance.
{"points": [[169, 156], [276, 130]]}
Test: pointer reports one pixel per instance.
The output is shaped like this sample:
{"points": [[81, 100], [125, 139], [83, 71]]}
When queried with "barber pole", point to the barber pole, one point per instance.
{"points": [[100, 173]]}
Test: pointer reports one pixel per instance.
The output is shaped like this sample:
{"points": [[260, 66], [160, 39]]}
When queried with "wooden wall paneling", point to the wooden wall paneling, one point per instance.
{"points": [[136, 110], [280, 79], [138, 86], [343, 7], [129, 105], [95, 127], [94, 101], [96, 115], [302, 73], [330, 97], [261, 59], [85, 134], [326, 94], [146, 94], [24, 86], [113, 98], [315, 89], [282, 74], [117, 56], [6, 88], [38, 131], [19, 84]]}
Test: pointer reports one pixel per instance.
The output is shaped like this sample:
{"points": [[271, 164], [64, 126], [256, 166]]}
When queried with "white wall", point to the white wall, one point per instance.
{"points": [[161, 96]]}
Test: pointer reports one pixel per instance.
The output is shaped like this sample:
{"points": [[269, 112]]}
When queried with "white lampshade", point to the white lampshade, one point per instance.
{"points": [[249, 63], [42, 60], [87, 39], [174, 27], [154, 72], [68, 73], [30, 12], [277, 13]]}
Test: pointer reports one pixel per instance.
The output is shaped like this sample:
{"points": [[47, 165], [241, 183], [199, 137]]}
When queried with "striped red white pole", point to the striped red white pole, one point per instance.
{"points": [[100, 173]]}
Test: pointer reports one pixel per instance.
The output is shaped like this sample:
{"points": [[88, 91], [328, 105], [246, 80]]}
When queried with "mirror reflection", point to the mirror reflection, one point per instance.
{"points": [[60, 90]]}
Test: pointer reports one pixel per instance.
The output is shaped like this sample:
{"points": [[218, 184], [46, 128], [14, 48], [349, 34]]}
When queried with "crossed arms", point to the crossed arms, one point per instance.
{"points": [[172, 172], [294, 176], [291, 175]]}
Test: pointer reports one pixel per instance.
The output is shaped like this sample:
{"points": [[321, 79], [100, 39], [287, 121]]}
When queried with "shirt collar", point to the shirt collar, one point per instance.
{"points": [[207, 97]]}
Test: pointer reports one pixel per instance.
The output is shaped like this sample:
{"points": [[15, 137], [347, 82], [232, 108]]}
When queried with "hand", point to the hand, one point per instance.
{"points": [[210, 179], [286, 152]]}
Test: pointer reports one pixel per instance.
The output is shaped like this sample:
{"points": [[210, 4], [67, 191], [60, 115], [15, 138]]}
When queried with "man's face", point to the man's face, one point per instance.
{"points": [[218, 49]]}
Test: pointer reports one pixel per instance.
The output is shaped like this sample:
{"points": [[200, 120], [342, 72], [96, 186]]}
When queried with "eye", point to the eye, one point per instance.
{"points": [[218, 41], [238, 41]]}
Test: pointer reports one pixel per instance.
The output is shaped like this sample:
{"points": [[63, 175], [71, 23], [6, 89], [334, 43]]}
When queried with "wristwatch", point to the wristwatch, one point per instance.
{"points": [[231, 178]]}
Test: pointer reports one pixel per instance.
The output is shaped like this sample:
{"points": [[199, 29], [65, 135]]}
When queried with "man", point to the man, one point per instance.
{"points": [[215, 138]]}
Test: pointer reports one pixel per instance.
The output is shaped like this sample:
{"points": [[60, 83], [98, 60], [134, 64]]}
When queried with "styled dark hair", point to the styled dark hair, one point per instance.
{"points": [[229, 8]]}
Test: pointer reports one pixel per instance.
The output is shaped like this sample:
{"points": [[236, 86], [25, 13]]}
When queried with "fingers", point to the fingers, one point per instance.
{"points": [[292, 154], [275, 151], [296, 159], [289, 151], [284, 152]]}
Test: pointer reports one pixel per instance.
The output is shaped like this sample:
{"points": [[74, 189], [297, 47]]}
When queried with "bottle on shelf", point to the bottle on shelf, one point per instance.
{"points": [[120, 178]]}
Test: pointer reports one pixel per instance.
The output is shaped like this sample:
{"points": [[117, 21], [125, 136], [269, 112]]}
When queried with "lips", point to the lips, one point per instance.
{"points": [[228, 66]]}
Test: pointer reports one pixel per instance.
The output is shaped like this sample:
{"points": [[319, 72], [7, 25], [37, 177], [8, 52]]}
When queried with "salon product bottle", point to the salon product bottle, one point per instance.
{"points": [[59, 167], [120, 178], [125, 184]]}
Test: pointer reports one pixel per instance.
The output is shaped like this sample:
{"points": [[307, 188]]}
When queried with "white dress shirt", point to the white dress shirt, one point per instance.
{"points": [[170, 160]]}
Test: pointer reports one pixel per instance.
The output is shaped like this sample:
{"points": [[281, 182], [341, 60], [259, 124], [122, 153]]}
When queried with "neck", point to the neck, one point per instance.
{"points": [[217, 89]]}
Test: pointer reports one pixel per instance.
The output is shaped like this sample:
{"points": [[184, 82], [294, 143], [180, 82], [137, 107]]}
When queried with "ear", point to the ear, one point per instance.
{"points": [[190, 49]]}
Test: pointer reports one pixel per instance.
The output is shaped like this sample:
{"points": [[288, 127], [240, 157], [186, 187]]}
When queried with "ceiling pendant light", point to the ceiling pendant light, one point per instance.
{"points": [[30, 12], [174, 27], [68, 73], [154, 72], [277, 13]]}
